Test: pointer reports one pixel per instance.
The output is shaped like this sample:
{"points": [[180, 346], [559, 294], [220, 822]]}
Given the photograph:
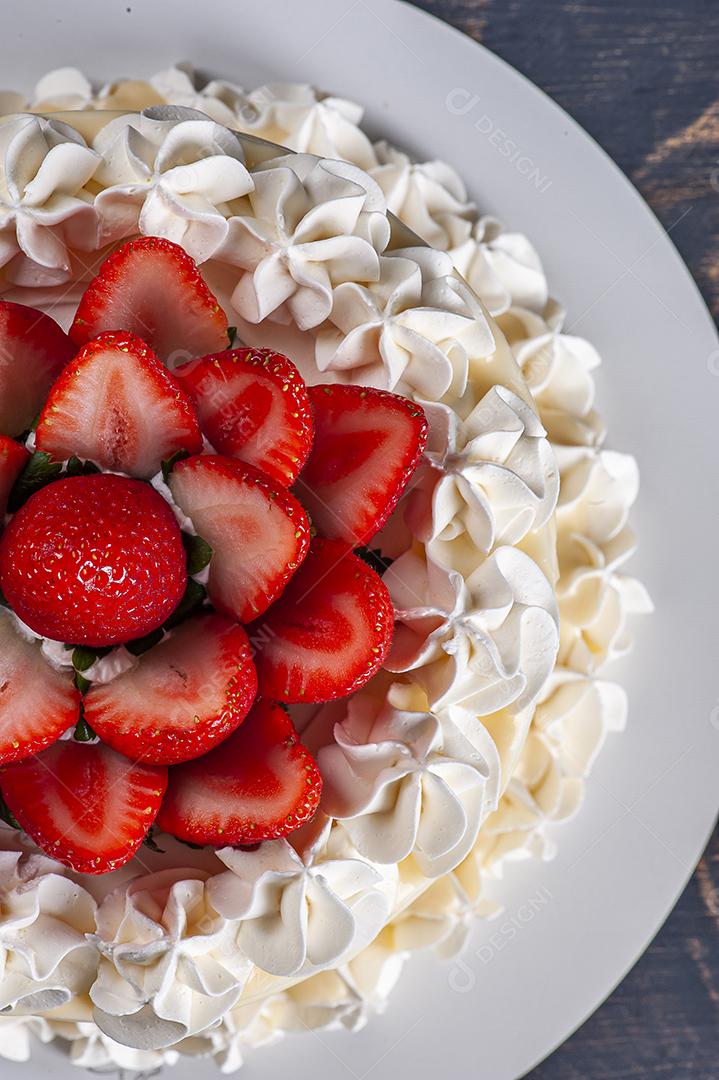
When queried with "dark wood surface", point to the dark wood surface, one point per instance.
{"points": [[642, 77]]}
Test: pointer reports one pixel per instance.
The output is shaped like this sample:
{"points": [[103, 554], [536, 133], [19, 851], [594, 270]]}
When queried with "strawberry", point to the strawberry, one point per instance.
{"points": [[37, 702], [258, 532], [13, 459], [33, 352], [117, 405], [367, 445], [93, 560], [253, 405], [329, 632], [83, 804], [153, 288], [186, 694], [260, 784]]}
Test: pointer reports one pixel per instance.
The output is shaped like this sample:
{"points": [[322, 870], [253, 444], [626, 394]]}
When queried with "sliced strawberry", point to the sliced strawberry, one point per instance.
{"points": [[253, 405], [33, 352], [37, 702], [13, 459], [261, 784], [84, 805], [258, 532], [153, 288], [329, 632], [186, 694], [117, 405], [367, 445]]}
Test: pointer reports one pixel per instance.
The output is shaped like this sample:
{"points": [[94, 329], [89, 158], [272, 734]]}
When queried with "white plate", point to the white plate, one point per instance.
{"points": [[575, 926]]}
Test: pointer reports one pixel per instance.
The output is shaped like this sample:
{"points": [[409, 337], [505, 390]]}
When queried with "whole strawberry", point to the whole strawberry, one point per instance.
{"points": [[93, 560]]}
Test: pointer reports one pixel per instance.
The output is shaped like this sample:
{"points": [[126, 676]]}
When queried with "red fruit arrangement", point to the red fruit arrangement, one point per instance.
{"points": [[154, 513]]}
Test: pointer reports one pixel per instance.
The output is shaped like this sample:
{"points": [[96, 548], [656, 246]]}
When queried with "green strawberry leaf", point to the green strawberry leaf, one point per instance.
{"points": [[198, 551], [40, 471], [169, 463], [141, 645], [82, 684], [191, 602], [374, 559], [151, 842], [76, 467], [83, 731]]}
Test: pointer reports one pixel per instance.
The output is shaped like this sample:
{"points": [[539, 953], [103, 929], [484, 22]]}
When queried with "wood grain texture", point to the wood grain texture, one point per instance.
{"points": [[643, 79]]}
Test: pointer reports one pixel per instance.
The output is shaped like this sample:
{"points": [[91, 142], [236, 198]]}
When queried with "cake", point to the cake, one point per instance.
{"points": [[176, 270]]}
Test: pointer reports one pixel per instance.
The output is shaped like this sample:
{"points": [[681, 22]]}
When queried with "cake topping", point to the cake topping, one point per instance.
{"points": [[152, 288], [259, 533], [136, 552], [34, 352], [187, 694], [93, 560], [329, 632], [117, 405], [37, 703], [260, 784], [253, 405], [86, 805], [367, 446]]}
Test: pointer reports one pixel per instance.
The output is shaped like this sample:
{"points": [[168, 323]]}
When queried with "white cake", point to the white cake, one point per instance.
{"points": [[506, 576]]}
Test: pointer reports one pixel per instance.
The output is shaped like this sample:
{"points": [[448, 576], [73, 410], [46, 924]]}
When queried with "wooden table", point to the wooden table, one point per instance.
{"points": [[641, 76]]}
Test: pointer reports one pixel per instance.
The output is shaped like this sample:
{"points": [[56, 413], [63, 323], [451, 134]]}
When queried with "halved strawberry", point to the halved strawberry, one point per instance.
{"points": [[186, 694], [258, 532], [83, 804], [153, 288], [367, 445], [253, 405], [33, 352], [261, 784], [37, 702], [13, 459], [117, 405], [328, 633]]}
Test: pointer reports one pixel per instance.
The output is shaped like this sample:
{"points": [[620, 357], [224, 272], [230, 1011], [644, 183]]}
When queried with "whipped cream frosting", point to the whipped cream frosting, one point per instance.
{"points": [[170, 177], [403, 782], [491, 476], [302, 908], [483, 642], [167, 965], [312, 932], [45, 208], [311, 226]]}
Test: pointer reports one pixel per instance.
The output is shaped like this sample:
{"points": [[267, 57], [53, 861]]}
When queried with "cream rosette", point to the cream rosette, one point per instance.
{"points": [[169, 965], [302, 907], [307, 121], [415, 330], [571, 722], [429, 197], [491, 476], [401, 782], [593, 541], [45, 917], [163, 174], [484, 642], [502, 267], [308, 226], [220, 100], [45, 207], [558, 369]]}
